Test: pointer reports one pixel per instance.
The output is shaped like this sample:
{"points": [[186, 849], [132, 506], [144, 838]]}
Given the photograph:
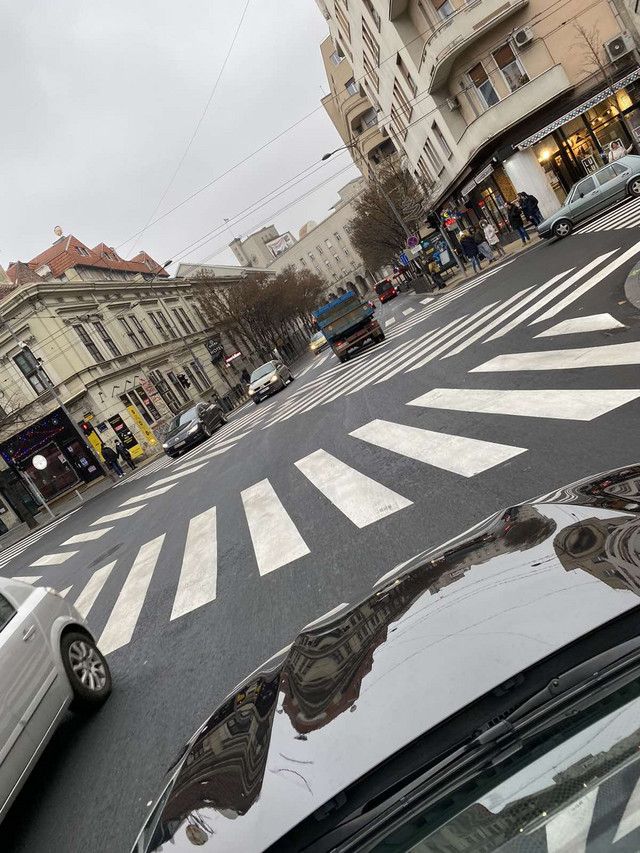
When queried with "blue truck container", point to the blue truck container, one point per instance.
{"points": [[348, 324]]}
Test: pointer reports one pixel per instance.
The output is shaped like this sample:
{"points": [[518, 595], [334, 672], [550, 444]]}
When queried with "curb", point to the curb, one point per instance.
{"points": [[632, 286]]}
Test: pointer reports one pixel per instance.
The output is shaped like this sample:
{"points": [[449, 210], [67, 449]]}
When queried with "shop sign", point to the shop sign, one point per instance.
{"points": [[102, 427], [138, 420], [125, 435], [589, 164], [481, 176], [89, 416], [229, 358], [156, 399], [215, 348], [467, 189], [39, 462]]}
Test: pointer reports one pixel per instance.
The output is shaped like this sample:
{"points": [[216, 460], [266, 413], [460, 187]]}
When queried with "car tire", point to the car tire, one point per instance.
{"points": [[206, 432], [224, 420], [291, 377], [634, 187], [87, 670], [256, 401], [562, 228], [381, 337]]}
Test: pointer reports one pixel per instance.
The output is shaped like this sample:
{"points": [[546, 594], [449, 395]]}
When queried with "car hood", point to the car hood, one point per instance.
{"points": [[260, 383], [434, 635], [181, 432]]}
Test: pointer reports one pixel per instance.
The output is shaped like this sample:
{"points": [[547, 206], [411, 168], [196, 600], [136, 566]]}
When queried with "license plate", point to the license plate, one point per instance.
{"points": [[180, 444]]}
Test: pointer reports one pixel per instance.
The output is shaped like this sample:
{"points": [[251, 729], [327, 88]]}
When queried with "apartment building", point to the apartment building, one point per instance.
{"points": [[123, 346], [487, 98], [322, 247]]}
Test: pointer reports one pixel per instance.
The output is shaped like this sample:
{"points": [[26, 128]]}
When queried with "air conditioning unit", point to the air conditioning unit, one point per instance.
{"points": [[522, 37], [619, 46], [453, 103]]}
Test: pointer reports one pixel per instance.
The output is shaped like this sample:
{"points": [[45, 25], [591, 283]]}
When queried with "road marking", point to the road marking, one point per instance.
{"points": [[87, 537], [521, 298], [116, 516], [306, 370], [357, 496], [564, 359], [592, 323], [456, 453], [178, 476], [477, 319], [63, 593], [631, 817], [431, 339], [147, 495], [53, 559], [574, 822], [28, 579], [408, 311], [205, 458], [327, 615], [390, 322], [199, 573], [275, 537], [565, 404], [426, 300], [595, 279], [124, 616], [92, 589]]}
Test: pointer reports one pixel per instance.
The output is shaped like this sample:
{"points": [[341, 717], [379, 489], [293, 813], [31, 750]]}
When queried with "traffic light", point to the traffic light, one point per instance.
{"points": [[184, 381], [86, 428]]}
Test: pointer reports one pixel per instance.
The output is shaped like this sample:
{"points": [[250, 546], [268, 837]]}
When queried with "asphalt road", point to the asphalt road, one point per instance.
{"points": [[309, 515]]}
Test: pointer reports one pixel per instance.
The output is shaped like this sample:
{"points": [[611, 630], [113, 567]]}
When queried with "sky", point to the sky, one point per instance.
{"points": [[99, 105]]}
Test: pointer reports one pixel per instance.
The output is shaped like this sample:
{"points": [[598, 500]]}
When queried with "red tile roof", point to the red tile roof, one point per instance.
{"points": [[68, 252]]}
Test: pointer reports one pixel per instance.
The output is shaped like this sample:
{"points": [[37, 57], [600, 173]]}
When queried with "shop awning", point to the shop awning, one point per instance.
{"points": [[577, 111]]}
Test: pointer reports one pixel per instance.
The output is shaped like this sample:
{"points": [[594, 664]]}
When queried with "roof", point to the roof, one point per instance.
{"points": [[219, 270], [425, 650], [69, 252]]}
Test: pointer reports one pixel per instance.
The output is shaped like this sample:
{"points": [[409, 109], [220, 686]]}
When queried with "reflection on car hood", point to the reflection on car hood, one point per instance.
{"points": [[264, 380], [181, 431], [434, 635]]}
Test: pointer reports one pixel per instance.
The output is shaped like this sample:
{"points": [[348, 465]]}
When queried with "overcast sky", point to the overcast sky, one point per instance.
{"points": [[99, 104]]}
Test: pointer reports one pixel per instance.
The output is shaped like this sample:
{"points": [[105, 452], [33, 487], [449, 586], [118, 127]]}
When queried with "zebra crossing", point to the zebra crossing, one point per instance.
{"points": [[621, 217], [14, 551]]}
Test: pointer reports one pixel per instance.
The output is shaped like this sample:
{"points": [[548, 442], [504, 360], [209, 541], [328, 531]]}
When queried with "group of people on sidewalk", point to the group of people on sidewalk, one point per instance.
{"points": [[111, 456]]}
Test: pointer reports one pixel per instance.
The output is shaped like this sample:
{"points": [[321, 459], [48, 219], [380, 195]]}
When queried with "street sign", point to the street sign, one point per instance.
{"points": [[404, 260], [412, 241], [39, 462], [232, 357], [417, 250]]}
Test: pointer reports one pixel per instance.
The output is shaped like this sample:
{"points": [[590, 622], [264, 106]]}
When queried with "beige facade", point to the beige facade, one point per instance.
{"points": [[460, 85]]}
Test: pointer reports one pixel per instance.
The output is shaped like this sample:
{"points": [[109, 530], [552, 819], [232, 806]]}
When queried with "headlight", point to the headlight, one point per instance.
{"points": [[274, 378], [251, 392], [194, 428], [165, 446]]}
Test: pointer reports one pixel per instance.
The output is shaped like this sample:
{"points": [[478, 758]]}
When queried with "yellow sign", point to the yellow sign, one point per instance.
{"points": [[142, 426], [95, 442]]}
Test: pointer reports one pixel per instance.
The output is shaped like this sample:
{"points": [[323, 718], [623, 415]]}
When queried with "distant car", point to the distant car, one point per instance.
{"points": [[317, 343], [191, 426], [267, 379], [598, 191], [484, 696], [49, 662], [386, 290]]}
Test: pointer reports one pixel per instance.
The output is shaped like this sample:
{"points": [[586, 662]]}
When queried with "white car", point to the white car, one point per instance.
{"points": [[49, 662]]}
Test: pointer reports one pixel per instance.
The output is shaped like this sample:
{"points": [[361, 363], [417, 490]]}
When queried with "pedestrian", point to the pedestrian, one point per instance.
{"points": [[111, 458], [124, 454], [529, 206], [617, 150], [470, 248], [434, 272], [515, 221], [483, 247], [492, 237]]}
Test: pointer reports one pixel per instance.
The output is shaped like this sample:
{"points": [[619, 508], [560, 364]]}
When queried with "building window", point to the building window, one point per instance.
{"points": [[163, 389], [433, 158], [337, 236], [370, 42], [509, 64], [370, 118], [158, 326], [342, 19], [327, 264], [303, 263], [424, 173], [30, 368], [319, 250], [312, 256], [180, 319], [81, 251], [336, 257], [327, 243], [346, 251], [93, 350], [443, 142], [178, 386], [130, 333], [370, 71], [187, 319], [368, 5], [336, 57], [141, 330], [402, 66], [335, 276], [167, 325], [107, 339], [352, 87], [399, 122], [204, 379], [443, 8], [404, 105], [191, 377], [483, 85]]}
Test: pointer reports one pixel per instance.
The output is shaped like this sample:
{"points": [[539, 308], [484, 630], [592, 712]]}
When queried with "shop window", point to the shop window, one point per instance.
{"points": [[509, 64], [89, 345], [30, 368], [605, 175], [146, 402], [483, 85]]}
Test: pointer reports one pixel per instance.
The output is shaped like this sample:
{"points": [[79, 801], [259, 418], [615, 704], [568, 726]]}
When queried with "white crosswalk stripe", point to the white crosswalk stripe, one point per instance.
{"points": [[626, 215], [427, 300], [124, 616], [576, 325], [568, 359], [455, 453], [86, 537], [53, 559], [408, 311], [276, 540], [15, 550], [564, 404], [357, 496], [204, 457], [28, 578], [197, 583], [85, 601], [173, 477], [136, 499], [116, 516], [390, 322]]}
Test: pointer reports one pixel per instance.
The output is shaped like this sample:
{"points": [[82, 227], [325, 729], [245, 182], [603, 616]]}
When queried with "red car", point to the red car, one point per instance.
{"points": [[385, 290]]}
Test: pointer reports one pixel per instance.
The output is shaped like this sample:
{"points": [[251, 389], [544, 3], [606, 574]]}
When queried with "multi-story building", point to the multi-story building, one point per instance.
{"points": [[487, 98], [322, 247], [120, 344]]}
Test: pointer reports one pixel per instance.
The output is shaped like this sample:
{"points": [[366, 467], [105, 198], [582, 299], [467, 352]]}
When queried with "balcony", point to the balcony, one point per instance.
{"points": [[532, 96], [458, 32], [354, 107]]}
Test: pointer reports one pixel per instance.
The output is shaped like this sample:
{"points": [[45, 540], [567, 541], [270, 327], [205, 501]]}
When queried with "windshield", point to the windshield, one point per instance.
{"points": [[383, 286], [263, 370], [317, 337], [183, 418]]}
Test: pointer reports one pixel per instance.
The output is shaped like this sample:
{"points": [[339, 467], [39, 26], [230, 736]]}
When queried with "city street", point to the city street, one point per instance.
{"points": [[193, 571]]}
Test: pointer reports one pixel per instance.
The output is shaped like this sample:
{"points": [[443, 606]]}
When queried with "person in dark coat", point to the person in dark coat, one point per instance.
{"points": [[529, 206], [111, 458], [124, 454], [470, 248], [515, 221]]}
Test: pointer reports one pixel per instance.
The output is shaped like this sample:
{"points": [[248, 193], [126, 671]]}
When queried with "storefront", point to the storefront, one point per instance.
{"points": [[578, 142], [485, 197], [68, 462]]}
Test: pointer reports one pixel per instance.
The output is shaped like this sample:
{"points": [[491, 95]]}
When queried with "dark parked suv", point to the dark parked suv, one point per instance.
{"points": [[191, 426]]}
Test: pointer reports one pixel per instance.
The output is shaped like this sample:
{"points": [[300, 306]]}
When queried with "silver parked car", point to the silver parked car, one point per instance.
{"points": [[270, 377], [49, 662], [593, 194]]}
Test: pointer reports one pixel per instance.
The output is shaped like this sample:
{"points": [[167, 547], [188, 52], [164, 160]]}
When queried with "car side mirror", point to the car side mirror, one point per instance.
{"points": [[581, 195]]}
